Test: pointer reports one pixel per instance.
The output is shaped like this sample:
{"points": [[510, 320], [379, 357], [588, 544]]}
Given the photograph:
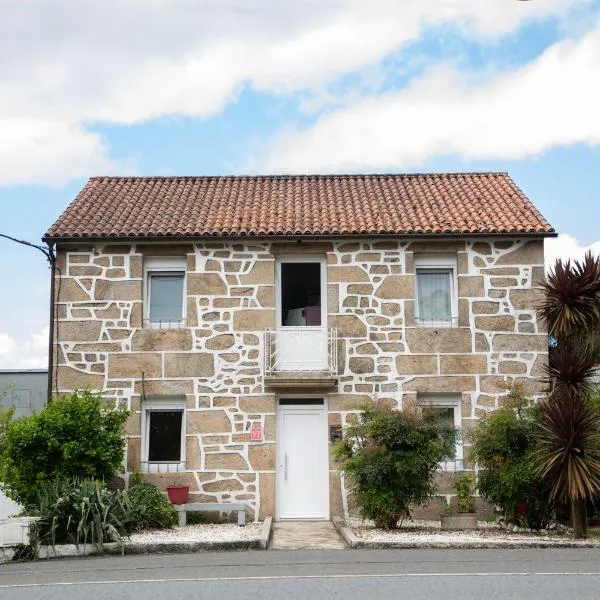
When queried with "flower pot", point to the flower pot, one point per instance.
{"points": [[178, 494], [459, 521]]}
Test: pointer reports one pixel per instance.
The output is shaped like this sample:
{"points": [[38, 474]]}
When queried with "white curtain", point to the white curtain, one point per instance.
{"points": [[434, 290]]}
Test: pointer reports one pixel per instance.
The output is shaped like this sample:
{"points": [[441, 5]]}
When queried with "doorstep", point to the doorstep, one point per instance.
{"points": [[305, 535]]}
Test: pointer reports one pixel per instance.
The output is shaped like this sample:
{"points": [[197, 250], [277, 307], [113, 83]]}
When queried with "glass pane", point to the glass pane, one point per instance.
{"points": [[434, 290], [440, 415], [301, 294], [164, 442], [166, 296]]}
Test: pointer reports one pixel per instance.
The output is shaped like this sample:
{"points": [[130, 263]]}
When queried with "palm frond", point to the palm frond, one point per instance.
{"points": [[570, 370], [571, 302], [568, 453]]}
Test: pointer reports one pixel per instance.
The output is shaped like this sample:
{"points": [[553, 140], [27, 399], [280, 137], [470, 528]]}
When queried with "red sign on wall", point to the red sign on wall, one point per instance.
{"points": [[256, 433]]}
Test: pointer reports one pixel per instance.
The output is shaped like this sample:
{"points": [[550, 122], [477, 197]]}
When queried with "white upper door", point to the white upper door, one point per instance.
{"points": [[302, 460], [302, 342]]}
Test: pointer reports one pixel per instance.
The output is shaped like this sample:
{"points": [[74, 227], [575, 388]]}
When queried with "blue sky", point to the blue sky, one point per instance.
{"points": [[216, 87]]}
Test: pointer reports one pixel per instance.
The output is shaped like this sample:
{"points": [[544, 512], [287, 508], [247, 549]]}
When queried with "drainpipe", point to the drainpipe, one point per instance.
{"points": [[52, 260]]}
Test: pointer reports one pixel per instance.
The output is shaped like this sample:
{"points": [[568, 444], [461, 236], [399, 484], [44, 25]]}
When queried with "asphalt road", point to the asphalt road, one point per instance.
{"points": [[314, 575]]}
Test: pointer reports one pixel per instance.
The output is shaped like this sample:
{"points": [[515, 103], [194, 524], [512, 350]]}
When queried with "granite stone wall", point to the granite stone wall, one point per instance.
{"points": [[215, 360]]}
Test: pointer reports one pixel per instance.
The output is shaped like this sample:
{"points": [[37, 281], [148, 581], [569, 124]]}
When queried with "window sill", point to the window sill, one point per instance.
{"points": [[162, 467], [445, 324], [452, 465], [148, 324]]}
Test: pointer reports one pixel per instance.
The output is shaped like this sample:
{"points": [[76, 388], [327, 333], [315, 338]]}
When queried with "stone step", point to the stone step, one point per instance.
{"points": [[298, 535]]}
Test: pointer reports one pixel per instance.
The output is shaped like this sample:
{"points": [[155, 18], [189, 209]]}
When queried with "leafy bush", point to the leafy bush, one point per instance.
{"points": [[79, 511], [391, 458], [6, 415], [149, 508], [74, 436], [464, 501], [504, 444]]}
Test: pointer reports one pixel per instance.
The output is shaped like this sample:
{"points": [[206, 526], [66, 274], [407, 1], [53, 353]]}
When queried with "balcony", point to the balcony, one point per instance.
{"points": [[301, 358]]}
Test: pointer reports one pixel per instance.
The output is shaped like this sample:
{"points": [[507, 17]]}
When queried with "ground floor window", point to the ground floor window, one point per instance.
{"points": [[163, 434], [445, 409]]}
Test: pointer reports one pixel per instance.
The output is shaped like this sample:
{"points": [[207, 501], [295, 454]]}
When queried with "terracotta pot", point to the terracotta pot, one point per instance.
{"points": [[178, 494]]}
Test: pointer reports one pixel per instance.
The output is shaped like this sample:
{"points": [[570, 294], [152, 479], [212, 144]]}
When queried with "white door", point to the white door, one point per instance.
{"points": [[302, 343], [302, 460]]}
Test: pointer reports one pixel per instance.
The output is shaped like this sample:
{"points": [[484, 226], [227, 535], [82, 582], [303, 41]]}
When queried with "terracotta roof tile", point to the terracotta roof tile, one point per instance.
{"points": [[316, 205]]}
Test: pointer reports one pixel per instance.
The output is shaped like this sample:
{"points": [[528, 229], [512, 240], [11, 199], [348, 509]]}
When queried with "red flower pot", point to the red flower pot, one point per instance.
{"points": [[178, 494]]}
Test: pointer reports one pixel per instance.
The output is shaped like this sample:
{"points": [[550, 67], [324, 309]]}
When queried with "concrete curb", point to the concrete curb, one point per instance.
{"points": [[265, 533], [354, 541], [129, 547], [347, 534], [475, 545]]}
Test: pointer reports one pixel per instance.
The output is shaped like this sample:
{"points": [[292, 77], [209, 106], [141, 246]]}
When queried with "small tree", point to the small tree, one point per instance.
{"points": [[74, 436], [6, 414], [569, 456], [503, 444], [391, 458]]}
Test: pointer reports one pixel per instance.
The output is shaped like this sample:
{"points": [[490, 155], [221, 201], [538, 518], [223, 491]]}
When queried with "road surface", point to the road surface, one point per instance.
{"points": [[313, 575]]}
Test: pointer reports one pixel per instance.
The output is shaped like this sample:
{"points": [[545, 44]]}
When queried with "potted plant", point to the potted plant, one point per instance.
{"points": [[461, 510], [178, 492]]}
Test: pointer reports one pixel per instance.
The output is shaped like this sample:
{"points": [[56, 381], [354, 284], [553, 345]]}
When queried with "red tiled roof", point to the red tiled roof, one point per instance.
{"points": [[315, 205]]}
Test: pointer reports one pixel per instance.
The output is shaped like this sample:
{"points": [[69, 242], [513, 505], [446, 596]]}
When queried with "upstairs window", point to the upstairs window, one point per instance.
{"points": [[165, 292], [436, 291], [164, 435]]}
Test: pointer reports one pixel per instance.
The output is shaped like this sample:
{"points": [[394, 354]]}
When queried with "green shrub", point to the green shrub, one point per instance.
{"points": [[464, 501], [136, 478], [503, 445], [74, 436], [391, 458], [6, 415], [79, 511], [149, 508]]}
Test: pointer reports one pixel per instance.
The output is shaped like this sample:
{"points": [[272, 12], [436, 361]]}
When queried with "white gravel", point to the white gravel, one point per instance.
{"points": [[227, 532], [429, 532]]}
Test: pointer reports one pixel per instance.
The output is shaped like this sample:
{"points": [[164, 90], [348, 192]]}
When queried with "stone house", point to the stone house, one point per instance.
{"points": [[245, 320]]}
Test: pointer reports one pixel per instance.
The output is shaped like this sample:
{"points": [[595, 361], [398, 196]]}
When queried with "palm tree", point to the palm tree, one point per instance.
{"points": [[569, 433]]}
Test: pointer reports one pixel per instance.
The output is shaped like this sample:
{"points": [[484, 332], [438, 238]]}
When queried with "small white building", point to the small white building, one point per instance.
{"points": [[26, 390]]}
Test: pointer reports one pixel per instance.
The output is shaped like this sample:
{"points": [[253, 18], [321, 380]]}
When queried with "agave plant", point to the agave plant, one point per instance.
{"points": [[81, 512], [569, 450]]}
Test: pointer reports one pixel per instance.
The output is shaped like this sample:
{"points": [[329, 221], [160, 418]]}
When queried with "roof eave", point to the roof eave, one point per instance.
{"points": [[172, 238]]}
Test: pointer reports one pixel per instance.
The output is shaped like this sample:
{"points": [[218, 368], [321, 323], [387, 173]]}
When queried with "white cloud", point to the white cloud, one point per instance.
{"points": [[66, 64], [566, 246], [8, 346], [44, 151], [550, 102], [28, 353]]}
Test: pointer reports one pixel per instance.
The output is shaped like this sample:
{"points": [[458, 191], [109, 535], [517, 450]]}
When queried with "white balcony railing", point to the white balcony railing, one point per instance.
{"points": [[301, 349]]}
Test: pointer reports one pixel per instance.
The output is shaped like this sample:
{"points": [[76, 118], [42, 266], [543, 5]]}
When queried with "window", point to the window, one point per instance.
{"points": [[445, 410], [164, 292], [436, 290], [301, 292], [163, 435]]}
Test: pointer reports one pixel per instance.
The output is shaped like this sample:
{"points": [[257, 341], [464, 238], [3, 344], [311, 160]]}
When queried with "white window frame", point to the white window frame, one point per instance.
{"points": [[162, 264], [164, 404], [444, 401], [278, 281], [437, 262]]}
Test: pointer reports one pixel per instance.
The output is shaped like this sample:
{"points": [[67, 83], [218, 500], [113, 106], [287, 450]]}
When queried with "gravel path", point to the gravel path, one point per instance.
{"points": [[228, 532]]}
